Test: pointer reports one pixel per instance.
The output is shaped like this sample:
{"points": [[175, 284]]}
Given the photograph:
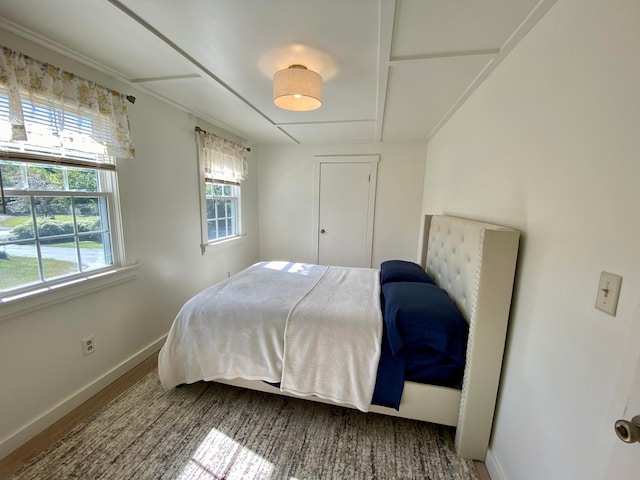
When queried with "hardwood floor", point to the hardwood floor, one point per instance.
{"points": [[10, 464], [481, 470]]}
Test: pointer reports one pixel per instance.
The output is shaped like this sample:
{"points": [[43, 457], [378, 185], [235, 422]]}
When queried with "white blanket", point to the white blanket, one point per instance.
{"points": [[328, 317], [332, 339], [235, 328]]}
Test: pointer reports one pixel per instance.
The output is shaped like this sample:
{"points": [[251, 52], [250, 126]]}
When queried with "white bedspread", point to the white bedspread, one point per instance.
{"points": [[235, 328], [332, 339], [315, 329]]}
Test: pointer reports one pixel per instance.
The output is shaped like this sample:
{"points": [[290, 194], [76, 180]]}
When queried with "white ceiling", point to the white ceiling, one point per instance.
{"points": [[392, 70]]}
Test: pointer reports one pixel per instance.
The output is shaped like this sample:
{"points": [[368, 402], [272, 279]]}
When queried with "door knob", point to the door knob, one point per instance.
{"points": [[322, 231], [628, 431]]}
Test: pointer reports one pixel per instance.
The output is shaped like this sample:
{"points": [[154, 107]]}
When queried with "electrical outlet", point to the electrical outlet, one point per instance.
{"points": [[88, 345]]}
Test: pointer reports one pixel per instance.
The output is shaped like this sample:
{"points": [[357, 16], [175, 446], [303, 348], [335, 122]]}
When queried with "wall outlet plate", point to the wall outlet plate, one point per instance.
{"points": [[608, 293], [88, 345]]}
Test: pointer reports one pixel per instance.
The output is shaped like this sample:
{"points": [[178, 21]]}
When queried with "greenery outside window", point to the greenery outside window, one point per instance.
{"points": [[55, 222]]}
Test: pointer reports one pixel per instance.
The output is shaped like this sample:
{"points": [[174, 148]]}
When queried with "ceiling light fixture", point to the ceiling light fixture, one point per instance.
{"points": [[297, 88]]}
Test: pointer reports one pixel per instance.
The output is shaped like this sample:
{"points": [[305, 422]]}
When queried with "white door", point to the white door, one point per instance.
{"points": [[345, 212], [624, 462]]}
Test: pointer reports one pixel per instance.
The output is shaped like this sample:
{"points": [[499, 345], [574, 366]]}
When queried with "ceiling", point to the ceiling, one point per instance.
{"points": [[392, 70]]}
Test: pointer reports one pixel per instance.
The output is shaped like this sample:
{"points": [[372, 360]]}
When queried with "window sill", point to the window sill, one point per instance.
{"points": [[221, 243], [12, 306]]}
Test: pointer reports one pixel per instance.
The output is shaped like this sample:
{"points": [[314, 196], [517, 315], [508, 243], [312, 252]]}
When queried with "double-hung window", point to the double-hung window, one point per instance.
{"points": [[223, 166], [59, 209], [223, 210], [55, 221]]}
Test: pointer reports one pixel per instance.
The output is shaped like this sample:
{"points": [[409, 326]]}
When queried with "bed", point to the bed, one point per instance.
{"points": [[473, 262]]}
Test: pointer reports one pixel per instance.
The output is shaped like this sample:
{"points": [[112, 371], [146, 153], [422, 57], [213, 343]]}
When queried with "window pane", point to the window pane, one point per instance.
{"points": [[220, 208], [82, 179], [95, 244], [222, 228], [211, 208], [54, 217], [59, 258], [212, 230], [17, 223], [41, 177], [91, 214], [208, 189], [13, 175], [18, 265], [95, 251]]}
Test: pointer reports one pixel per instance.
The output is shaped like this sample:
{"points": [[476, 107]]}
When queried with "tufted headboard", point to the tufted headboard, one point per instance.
{"points": [[475, 263]]}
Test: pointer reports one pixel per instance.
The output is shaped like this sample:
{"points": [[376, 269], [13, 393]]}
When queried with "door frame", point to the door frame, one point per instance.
{"points": [[372, 160]]}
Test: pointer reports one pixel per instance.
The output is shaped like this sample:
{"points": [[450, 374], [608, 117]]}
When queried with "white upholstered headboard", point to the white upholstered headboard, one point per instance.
{"points": [[475, 263]]}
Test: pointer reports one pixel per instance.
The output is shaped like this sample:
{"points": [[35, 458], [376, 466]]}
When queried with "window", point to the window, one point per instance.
{"points": [[222, 167], [222, 210], [59, 138], [55, 222]]}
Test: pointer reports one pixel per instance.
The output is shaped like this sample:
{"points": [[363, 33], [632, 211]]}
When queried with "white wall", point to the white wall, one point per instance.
{"points": [[42, 371], [286, 199], [550, 144]]}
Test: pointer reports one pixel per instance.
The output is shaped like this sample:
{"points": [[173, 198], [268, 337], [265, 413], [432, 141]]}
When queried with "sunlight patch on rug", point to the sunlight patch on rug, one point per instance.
{"points": [[219, 456]]}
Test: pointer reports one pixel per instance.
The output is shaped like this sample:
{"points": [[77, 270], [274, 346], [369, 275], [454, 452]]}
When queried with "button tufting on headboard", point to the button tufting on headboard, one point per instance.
{"points": [[454, 257]]}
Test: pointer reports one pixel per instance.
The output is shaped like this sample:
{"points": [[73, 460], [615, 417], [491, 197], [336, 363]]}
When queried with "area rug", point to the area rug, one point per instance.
{"points": [[214, 431]]}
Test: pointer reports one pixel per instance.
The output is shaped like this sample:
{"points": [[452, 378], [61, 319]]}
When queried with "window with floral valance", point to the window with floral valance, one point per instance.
{"points": [[223, 166], [46, 110], [60, 135]]}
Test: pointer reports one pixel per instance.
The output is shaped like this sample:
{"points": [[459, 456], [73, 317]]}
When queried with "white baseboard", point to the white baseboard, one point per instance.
{"points": [[48, 418], [493, 466]]}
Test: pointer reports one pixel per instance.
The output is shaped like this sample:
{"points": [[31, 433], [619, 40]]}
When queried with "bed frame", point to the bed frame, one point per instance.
{"points": [[475, 263]]}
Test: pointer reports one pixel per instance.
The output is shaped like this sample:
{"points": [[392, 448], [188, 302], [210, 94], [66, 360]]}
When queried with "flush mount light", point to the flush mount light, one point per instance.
{"points": [[297, 88]]}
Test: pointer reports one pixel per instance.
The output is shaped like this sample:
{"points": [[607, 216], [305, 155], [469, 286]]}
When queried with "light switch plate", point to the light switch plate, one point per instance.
{"points": [[608, 293]]}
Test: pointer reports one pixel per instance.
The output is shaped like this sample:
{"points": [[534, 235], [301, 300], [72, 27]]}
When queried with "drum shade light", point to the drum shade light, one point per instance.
{"points": [[297, 88]]}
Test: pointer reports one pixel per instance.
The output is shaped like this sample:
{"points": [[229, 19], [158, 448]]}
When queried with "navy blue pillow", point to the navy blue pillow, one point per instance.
{"points": [[420, 317], [402, 271]]}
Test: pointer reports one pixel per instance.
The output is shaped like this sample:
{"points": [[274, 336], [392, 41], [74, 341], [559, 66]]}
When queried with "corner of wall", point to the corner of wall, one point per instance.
{"points": [[493, 466]]}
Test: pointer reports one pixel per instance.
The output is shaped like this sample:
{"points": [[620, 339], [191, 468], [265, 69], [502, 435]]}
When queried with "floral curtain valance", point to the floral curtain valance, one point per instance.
{"points": [[223, 160], [46, 110]]}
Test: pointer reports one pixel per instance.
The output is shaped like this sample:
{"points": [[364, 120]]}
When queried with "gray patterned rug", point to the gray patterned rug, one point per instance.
{"points": [[213, 431]]}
